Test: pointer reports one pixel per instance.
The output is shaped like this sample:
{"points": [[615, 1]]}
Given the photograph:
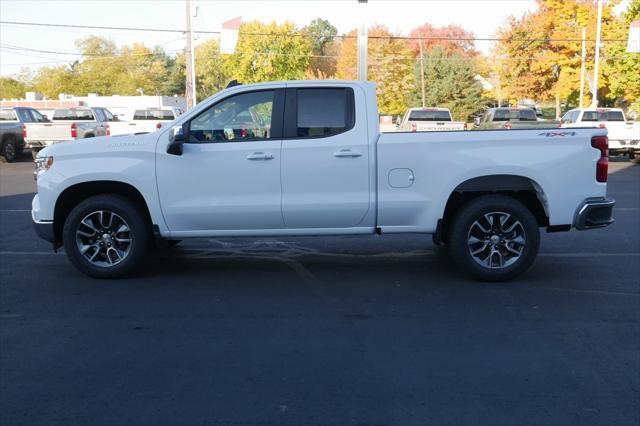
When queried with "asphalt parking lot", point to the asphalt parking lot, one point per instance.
{"points": [[323, 331]]}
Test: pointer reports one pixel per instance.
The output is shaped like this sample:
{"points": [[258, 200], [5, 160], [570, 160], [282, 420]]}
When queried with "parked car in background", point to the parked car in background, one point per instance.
{"points": [[512, 118], [68, 124], [624, 136], [307, 158], [429, 120], [14, 127], [145, 120]]}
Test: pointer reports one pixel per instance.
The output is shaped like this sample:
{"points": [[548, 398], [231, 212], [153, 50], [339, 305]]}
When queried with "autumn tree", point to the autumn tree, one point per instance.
{"points": [[452, 38], [540, 52], [11, 88], [267, 52], [390, 65], [622, 68], [324, 48]]}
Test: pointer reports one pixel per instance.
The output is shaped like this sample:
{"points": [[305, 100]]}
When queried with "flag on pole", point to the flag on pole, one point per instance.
{"points": [[633, 45], [229, 35]]}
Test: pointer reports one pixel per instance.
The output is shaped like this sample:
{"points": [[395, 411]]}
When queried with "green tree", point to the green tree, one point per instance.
{"points": [[324, 48], [622, 68], [51, 81], [11, 88], [390, 66], [267, 52], [449, 81], [211, 72]]}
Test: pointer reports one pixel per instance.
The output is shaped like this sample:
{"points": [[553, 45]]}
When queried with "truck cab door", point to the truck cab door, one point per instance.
{"points": [[325, 159], [227, 178]]}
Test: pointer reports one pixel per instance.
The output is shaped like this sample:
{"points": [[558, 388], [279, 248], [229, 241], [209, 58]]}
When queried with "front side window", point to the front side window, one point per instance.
{"points": [[323, 112], [240, 118], [108, 115], [567, 118], [37, 117]]}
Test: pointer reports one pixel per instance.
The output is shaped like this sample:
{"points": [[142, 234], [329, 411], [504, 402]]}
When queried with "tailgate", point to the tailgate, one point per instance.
{"points": [[434, 126], [49, 131]]}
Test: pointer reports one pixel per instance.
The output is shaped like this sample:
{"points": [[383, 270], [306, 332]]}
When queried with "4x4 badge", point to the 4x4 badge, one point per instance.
{"points": [[554, 134]]}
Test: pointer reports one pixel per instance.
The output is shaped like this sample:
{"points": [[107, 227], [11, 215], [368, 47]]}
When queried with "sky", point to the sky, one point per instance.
{"points": [[482, 17]]}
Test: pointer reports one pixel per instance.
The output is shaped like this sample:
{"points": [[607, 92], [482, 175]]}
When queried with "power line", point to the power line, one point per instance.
{"points": [[346, 36]]}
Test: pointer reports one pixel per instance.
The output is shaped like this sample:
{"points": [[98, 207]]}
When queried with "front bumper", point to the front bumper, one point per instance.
{"points": [[595, 213], [44, 230]]}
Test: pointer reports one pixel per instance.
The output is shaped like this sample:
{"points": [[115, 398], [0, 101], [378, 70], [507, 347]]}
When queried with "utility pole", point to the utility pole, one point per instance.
{"points": [[191, 62], [583, 65], [594, 103], [421, 71], [362, 43]]}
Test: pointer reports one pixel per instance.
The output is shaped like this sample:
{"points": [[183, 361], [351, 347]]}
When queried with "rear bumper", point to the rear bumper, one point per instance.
{"points": [[595, 213]]}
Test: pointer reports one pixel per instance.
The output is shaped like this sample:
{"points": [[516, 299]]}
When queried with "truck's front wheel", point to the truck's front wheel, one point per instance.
{"points": [[106, 236], [494, 238]]}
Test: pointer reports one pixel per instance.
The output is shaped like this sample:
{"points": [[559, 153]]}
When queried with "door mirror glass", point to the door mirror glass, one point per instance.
{"points": [[176, 139]]}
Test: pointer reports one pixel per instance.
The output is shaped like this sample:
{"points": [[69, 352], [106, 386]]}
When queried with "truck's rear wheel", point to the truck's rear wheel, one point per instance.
{"points": [[494, 238], [106, 236], [9, 150]]}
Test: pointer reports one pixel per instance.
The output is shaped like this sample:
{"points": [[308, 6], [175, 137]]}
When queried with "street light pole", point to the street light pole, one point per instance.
{"points": [[362, 43], [583, 65], [191, 62], [421, 71], [594, 103]]}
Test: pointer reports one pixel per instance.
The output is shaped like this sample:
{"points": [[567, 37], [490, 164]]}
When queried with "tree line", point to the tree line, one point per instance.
{"points": [[536, 56]]}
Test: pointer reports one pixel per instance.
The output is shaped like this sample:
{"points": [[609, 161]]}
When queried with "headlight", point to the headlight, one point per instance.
{"points": [[42, 165]]}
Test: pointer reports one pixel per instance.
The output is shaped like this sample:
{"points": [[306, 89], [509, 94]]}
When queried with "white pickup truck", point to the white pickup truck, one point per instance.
{"points": [[429, 120], [145, 120], [307, 158], [624, 136]]}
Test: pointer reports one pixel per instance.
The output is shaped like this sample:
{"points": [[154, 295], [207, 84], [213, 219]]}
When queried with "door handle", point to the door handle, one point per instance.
{"points": [[345, 153], [260, 156]]}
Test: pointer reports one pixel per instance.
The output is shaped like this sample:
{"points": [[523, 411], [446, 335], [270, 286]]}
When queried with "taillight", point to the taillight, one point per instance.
{"points": [[602, 166], [414, 127], [507, 125], [243, 132], [158, 126], [465, 125], [74, 130], [602, 125], [24, 131], [108, 130]]}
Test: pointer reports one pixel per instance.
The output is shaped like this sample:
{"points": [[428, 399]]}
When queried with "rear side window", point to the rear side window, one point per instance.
{"points": [[100, 115], [72, 114], [324, 112], [615, 116], [528, 115], [8, 115], [425, 115]]}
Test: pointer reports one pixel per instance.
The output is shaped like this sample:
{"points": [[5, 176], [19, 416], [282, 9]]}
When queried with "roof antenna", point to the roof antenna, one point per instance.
{"points": [[233, 83]]}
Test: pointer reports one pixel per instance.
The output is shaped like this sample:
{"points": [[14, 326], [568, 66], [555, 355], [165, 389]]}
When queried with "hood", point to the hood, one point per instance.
{"points": [[101, 145]]}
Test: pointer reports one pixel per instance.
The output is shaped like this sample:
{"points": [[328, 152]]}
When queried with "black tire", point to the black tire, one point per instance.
{"points": [[9, 150], [173, 243], [138, 233], [471, 219]]}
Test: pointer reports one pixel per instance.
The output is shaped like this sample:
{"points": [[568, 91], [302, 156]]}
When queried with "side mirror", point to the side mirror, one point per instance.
{"points": [[176, 139]]}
